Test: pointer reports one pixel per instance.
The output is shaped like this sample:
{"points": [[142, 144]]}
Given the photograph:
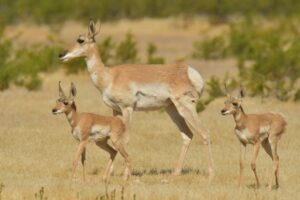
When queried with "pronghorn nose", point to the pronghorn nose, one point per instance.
{"points": [[62, 54], [54, 110], [223, 111]]}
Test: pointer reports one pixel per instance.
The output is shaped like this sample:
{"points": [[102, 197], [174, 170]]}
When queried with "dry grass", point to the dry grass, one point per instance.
{"points": [[37, 149]]}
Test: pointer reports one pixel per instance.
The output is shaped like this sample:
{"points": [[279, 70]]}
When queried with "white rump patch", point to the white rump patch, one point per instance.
{"points": [[196, 79]]}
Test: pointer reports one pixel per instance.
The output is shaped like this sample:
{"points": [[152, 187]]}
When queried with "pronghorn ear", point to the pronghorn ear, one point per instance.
{"points": [[91, 29], [60, 91], [97, 27], [242, 92], [73, 90]]}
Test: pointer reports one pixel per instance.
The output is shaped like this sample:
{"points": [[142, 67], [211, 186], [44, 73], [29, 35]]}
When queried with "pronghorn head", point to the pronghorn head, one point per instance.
{"points": [[83, 43], [63, 103], [232, 104]]}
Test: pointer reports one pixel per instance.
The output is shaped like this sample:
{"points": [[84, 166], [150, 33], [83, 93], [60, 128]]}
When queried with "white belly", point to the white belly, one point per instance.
{"points": [[99, 132], [151, 96]]}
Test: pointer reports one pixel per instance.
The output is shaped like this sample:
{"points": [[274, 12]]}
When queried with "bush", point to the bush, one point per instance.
{"points": [[151, 59], [268, 57], [213, 48], [126, 50]]}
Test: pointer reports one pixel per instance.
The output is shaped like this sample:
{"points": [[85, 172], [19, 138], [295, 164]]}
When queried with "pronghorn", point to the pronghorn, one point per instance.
{"points": [[138, 87], [88, 127], [257, 129]]}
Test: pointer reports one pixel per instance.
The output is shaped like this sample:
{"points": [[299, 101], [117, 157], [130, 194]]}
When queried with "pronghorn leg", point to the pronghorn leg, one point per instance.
{"points": [[242, 160], [83, 158], [253, 162], [126, 116], [112, 153], [267, 147], [79, 152], [186, 107], [186, 134], [273, 142], [121, 146]]}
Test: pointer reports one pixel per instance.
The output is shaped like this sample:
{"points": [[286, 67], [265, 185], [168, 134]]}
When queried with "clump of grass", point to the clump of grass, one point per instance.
{"points": [[40, 194], [1, 189], [113, 195]]}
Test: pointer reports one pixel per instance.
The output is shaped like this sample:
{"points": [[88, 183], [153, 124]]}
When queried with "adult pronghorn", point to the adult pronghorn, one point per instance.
{"points": [[89, 127], [257, 129], [129, 87]]}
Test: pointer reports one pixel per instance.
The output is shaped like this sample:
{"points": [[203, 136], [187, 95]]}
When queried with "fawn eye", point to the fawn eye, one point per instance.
{"points": [[80, 40], [66, 103], [235, 104]]}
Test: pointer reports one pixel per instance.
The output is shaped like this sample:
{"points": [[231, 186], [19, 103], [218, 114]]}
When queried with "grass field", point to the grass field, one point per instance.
{"points": [[36, 147]]}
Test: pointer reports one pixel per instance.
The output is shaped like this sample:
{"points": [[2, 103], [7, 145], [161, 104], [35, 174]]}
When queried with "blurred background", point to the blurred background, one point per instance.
{"points": [[255, 41]]}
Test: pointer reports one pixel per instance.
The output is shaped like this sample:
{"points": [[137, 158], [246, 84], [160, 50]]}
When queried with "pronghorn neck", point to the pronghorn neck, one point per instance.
{"points": [[239, 117], [71, 115], [96, 68], [93, 59]]}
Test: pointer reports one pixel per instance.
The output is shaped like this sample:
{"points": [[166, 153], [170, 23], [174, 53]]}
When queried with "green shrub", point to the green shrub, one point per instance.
{"points": [[151, 59], [213, 48], [126, 50]]}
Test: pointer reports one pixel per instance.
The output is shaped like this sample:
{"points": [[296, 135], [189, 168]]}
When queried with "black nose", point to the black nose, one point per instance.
{"points": [[54, 110], [223, 111], [62, 54]]}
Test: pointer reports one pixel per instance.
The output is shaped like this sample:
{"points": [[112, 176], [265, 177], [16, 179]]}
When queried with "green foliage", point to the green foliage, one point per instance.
{"points": [[213, 48], [268, 57], [151, 59], [48, 11], [126, 50]]}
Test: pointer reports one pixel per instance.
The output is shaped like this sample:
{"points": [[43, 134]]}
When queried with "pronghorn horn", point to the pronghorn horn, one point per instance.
{"points": [[60, 91]]}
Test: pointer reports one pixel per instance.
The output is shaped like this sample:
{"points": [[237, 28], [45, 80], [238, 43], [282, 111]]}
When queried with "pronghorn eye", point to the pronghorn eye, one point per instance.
{"points": [[80, 40], [66, 103], [235, 104]]}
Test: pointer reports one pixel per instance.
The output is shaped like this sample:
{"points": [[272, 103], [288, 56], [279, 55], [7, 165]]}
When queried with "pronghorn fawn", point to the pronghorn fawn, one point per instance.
{"points": [[256, 129], [143, 87], [89, 127]]}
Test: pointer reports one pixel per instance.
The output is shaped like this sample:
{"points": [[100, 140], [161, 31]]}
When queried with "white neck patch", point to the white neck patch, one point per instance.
{"points": [[91, 62]]}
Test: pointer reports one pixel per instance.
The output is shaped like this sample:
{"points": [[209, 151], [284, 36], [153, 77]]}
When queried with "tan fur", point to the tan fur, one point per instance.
{"points": [[89, 127], [257, 129], [134, 87]]}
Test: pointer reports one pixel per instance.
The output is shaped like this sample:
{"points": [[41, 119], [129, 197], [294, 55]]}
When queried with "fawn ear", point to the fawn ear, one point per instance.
{"points": [[60, 91], [73, 91], [242, 92]]}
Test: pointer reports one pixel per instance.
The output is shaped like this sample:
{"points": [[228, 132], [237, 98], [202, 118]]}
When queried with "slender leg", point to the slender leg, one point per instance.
{"points": [[112, 153], [79, 152], [127, 115], [253, 162], [267, 147], [83, 158], [121, 145], [242, 160], [275, 164], [186, 134], [186, 108]]}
